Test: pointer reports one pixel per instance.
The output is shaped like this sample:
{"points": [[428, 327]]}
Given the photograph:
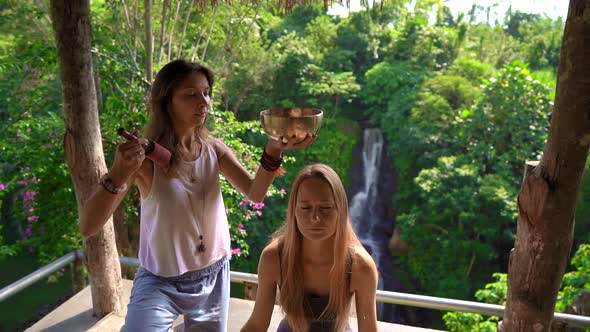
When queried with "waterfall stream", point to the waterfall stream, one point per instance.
{"points": [[370, 207]]}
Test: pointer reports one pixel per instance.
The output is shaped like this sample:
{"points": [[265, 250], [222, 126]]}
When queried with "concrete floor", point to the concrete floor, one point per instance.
{"points": [[76, 315]]}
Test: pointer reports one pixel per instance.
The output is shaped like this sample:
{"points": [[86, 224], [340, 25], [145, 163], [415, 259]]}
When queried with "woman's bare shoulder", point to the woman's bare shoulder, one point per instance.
{"points": [[221, 149], [272, 249], [364, 269], [269, 260]]}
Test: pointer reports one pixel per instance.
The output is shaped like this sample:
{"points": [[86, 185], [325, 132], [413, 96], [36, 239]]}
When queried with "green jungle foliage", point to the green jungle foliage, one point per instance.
{"points": [[462, 105]]}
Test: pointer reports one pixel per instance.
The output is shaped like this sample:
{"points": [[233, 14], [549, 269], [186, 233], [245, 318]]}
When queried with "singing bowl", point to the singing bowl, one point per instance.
{"points": [[291, 123]]}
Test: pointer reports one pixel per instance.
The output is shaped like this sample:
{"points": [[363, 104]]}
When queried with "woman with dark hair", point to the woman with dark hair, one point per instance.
{"points": [[184, 234], [317, 263]]}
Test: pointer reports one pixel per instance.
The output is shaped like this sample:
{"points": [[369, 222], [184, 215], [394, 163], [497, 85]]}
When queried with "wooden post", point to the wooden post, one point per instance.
{"points": [[250, 289], [78, 273], [580, 306], [549, 192]]}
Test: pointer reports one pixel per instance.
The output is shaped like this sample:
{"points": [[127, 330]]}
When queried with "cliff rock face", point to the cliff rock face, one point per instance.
{"points": [[397, 246]]}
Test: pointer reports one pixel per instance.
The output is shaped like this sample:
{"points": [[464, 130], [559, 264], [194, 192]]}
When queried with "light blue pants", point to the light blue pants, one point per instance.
{"points": [[201, 296]]}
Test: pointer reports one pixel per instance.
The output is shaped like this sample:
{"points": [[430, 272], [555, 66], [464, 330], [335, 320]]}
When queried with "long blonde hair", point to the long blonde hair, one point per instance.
{"points": [[292, 286], [159, 127]]}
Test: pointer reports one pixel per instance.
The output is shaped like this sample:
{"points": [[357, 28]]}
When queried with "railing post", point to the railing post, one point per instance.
{"points": [[78, 272], [250, 289]]}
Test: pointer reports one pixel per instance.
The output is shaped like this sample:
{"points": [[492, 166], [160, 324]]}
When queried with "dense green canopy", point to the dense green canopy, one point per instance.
{"points": [[462, 105]]}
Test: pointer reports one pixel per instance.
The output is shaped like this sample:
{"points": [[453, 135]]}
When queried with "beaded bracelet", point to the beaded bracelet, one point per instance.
{"points": [[269, 166], [269, 163], [107, 184]]}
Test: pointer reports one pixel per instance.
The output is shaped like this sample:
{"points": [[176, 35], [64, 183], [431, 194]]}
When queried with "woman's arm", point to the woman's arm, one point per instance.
{"points": [[364, 285], [129, 163], [265, 294], [254, 188]]}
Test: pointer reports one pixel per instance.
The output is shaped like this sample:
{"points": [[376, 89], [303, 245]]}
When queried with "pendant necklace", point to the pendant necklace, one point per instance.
{"points": [[201, 246], [193, 176], [192, 179]]}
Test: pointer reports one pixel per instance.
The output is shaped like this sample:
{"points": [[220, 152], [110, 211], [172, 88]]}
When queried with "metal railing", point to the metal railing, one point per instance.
{"points": [[37, 275], [422, 301]]}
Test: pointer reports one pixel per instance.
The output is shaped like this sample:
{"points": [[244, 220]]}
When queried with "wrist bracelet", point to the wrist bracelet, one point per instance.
{"points": [[270, 159], [269, 163], [107, 184]]}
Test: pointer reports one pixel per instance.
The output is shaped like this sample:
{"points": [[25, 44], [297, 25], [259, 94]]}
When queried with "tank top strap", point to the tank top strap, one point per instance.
{"points": [[206, 147]]}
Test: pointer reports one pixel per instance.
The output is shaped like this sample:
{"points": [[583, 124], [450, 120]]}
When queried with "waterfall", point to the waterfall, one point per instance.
{"points": [[370, 213], [364, 201]]}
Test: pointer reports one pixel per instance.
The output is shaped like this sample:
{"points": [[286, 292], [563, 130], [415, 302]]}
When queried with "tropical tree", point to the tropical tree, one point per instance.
{"points": [[83, 144], [549, 194]]}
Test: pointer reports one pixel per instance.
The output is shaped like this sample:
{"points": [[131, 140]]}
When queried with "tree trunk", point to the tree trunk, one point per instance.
{"points": [[135, 30], [172, 29], [210, 31], [83, 143], [186, 20], [124, 245], [126, 12], [549, 191], [96, 77], [162, 31], [196, 47], [149, 40], [127, 233]]}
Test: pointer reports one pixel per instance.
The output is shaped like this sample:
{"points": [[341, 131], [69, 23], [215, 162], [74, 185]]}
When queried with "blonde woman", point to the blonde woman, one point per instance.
{"points": [[317, 262]]}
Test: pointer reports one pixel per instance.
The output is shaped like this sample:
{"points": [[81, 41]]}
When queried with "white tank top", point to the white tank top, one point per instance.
{"points": [[177, 211]]}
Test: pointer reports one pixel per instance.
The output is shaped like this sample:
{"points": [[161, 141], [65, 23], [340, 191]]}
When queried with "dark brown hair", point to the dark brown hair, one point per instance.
{"points": [[159, 127]]}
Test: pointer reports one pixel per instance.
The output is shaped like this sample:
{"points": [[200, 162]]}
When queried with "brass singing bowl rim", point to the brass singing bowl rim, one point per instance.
{"points": [[282, 122], [307, 112]]}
